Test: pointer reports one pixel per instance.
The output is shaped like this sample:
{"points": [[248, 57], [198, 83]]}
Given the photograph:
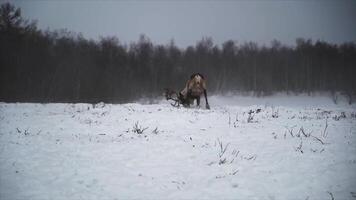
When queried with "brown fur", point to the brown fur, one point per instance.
{"points": [[194, 88]]}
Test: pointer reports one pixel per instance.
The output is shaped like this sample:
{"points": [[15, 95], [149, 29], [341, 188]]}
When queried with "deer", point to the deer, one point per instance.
{"points": [[194, 88]]}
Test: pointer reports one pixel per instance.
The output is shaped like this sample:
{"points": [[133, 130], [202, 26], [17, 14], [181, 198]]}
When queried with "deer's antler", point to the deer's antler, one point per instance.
{"points": [[169, 96]]}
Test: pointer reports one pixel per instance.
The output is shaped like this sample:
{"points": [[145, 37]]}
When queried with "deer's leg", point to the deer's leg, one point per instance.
{"points": [[198, 101], [206, 100], [181, 98], [189, 97]]}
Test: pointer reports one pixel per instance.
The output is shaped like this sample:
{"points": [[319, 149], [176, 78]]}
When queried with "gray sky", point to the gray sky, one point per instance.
{"points": [[188, 21]]}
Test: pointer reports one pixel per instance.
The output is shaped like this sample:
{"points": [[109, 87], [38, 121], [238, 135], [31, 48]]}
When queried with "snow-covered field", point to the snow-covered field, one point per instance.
{"points": [[280, 147]]}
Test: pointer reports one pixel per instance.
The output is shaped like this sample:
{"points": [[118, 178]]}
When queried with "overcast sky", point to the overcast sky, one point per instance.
{"points": [[188, 21]]}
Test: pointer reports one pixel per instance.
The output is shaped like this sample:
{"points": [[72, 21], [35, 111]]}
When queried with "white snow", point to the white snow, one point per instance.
{"points": [[84, 151]]}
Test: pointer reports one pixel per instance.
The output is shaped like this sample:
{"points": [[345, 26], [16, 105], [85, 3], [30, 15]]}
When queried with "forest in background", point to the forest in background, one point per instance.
{"points": [[62, 66]]}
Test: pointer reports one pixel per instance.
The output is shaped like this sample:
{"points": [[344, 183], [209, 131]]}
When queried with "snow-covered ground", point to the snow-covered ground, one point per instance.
{"points": [[288, 147]]}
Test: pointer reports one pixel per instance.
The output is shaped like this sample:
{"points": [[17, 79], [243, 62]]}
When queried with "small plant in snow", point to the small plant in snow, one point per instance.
{"points": [[236, 120], [301, 130], [222, 150], [229, 120], [24, 132], [290, 130], [155, 131], [223, 156], [275, 114], [299, 148], [138, 129], [341, 116], [325, 134], [353, 115], [250, 116], [331, 195]]}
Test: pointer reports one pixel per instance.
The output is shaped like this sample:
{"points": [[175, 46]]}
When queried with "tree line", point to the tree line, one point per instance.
{"points": [[62, 66]]}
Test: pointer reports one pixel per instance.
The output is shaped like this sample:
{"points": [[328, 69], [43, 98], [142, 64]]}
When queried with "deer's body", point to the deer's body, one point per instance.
{"points": [[194, 88]]}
